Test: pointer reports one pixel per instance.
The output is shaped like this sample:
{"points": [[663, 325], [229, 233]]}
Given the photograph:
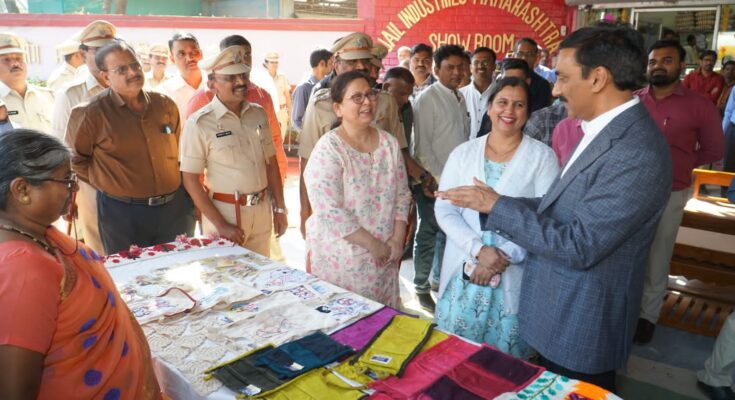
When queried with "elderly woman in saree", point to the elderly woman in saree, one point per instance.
{"points": [[65, 333], [481, 280]]}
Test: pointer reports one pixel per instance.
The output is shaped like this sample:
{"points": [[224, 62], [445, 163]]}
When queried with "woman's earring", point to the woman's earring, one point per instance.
{"points": [[25, 199]]}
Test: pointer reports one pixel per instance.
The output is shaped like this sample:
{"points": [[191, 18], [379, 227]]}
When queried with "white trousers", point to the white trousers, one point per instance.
{"points": [[659, 258], [718, 368]]}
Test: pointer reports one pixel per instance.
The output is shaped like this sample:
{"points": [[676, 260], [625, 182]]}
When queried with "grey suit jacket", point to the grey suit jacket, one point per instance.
{"points": [[588, 241]]}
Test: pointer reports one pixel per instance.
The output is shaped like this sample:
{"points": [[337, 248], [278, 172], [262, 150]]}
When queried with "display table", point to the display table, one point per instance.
{"points": [[245, 301]]}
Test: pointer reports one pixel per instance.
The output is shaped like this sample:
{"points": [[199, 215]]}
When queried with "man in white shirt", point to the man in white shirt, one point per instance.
{"points": [[95, 35], [477, 93], [185, 54], [441, 123], [71, 69], [29, 106]]}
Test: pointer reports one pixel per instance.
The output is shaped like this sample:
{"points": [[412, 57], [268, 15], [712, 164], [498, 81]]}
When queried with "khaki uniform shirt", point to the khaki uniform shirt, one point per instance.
{"points": [[63, 75], [233, 149], [70, 97], [32, 111], [126, 154], [319, 118], [177, 89], [152, 83]]}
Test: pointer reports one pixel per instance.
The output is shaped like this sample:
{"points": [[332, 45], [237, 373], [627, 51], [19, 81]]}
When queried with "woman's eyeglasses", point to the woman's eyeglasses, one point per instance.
{"points": [[359, 98], [71, 183]]}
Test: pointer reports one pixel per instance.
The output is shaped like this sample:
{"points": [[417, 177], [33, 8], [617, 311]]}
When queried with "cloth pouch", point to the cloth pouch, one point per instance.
{"points": [[312, 386], [300, 356], [359, 333], [425, 369], [242, 376], [389, 351], [446, 388]]}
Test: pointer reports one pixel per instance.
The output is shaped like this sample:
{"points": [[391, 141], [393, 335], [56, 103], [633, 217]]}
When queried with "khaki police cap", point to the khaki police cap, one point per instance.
{"points": [[97, 34], [159, 49], [10, 43], [355, 46], [68, 46], [272, 56], [230, 61]]}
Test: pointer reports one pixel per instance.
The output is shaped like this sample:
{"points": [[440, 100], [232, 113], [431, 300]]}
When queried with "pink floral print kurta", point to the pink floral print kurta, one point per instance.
{"points": [[348, 190]]}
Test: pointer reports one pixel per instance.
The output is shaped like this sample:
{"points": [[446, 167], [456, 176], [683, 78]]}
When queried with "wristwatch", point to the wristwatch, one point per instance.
{"points": [[279, 210]]}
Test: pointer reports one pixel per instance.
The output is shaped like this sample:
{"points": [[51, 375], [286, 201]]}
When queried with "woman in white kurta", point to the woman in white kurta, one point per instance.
{"points": [[475, 305], [359, 194]]}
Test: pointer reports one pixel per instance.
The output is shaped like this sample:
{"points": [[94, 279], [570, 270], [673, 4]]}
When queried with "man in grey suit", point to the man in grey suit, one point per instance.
{"points": [[589, 237]]}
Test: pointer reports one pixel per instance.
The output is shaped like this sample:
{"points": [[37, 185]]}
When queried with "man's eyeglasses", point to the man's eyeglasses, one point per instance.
{"points": [[71, 183], [8, 60], [124, 69], [521, 54], [359, 98], [483, 63]]}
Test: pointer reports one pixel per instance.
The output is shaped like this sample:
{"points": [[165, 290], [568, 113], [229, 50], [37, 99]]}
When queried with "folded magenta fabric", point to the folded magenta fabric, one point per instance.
{"points": [[446, 388], [490, 373], [300, 356], [359, 334], [425, 369]]}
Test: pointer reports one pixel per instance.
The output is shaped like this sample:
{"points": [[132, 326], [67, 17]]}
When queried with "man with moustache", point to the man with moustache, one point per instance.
{"points": [[255, 95], [477, 93], [691, 125], [230, 139], [158, 59], [185, 54], [420, 66], [29, 106], [351, 53], [125, 144], [705, 80], [441, 122], [588, 237], [93, 36]]}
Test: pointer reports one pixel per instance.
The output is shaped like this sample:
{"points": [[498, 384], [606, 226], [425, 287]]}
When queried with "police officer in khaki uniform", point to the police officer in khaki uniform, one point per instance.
{"points": [[29, 106], [230, 142], [72, 67], [351, 53], [91, 38], [158, 59]]}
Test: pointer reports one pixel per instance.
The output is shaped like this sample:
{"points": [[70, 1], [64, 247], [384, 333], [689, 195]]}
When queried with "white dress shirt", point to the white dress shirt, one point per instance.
{"points": [[441, 123], [32, 111], [179, 91], [68, 98], [477, 104], [593, 128]]}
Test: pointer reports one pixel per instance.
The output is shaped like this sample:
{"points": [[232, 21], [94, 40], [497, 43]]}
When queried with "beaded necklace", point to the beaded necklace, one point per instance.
{"points": [[29, 236]]}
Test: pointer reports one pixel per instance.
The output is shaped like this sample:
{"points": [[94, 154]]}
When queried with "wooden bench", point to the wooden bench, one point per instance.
{"points": [[701, 302]]}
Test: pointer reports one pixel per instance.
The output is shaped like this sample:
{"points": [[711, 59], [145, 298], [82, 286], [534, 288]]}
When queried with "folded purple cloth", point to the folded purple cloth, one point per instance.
{"points": [[358, 334]]}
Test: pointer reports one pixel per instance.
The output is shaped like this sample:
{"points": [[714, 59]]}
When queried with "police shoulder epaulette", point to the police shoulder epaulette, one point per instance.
{"points": [[202, 111], [321, 94]]}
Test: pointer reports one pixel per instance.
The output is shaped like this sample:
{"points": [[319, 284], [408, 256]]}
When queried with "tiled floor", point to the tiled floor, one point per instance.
{"points": [[662, 370]]}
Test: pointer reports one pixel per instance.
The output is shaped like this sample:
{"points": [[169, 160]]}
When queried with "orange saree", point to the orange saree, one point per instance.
{"points": [[71, 312]]}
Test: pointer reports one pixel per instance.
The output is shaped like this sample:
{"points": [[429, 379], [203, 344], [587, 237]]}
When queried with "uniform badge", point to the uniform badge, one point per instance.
{"points": [[13, 112], [223, 134]]}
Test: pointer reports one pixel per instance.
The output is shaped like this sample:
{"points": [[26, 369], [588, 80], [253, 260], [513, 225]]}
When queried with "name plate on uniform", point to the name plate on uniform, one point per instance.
{"points": [[223, 134], [13, 112]]}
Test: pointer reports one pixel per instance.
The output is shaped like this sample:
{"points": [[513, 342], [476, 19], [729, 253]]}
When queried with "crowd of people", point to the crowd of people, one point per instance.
{"points": [[546, 197]]}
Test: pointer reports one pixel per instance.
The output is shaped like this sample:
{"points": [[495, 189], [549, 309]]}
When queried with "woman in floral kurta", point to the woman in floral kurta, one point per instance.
{"points": [[354, 192]]}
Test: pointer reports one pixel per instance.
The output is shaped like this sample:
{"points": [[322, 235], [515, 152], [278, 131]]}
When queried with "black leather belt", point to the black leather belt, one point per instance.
{"points": [[154, 201]]}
